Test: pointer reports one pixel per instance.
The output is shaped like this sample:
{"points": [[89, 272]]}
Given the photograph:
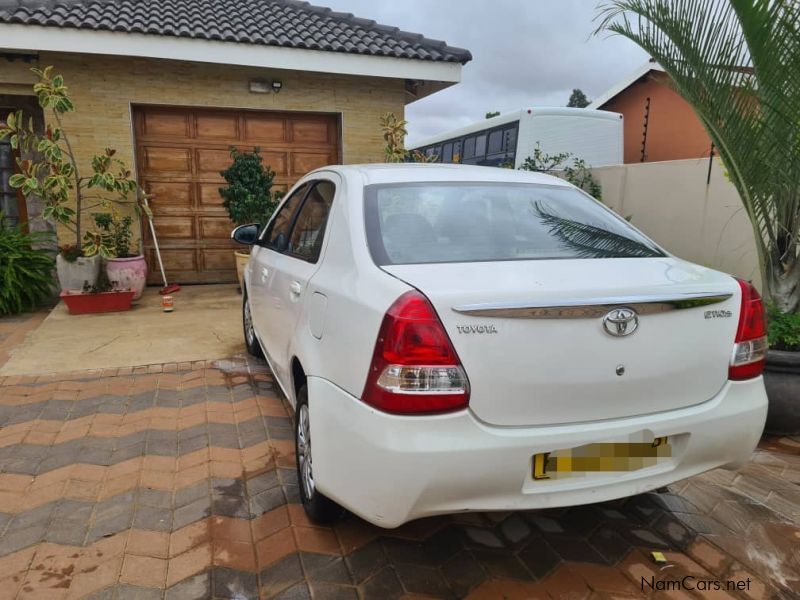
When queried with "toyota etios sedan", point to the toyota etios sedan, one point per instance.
{"points": [[460, 338]]}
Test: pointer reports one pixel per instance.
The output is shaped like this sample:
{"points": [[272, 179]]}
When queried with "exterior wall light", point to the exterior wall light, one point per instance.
{"points": [[263, 86]]}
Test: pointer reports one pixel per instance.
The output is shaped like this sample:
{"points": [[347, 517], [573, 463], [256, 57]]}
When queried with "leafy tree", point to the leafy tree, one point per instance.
{"points": [[394, 134], [577, 99], [578, 173], [491, 114], [737, 63], [248, 197], [53, 174]]}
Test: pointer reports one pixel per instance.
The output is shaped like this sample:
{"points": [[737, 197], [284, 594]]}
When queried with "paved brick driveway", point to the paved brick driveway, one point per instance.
{"points": [[178, 480]]}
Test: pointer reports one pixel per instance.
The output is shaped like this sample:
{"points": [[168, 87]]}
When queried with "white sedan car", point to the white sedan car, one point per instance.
{"points": [[460, 338]]}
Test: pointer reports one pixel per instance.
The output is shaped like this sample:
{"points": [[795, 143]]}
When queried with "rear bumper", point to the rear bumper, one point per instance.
{"points": [[392, 469]]}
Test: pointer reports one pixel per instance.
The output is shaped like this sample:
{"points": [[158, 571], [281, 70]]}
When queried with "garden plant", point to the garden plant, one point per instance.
{"points": [[49, 168], [26, 268]]}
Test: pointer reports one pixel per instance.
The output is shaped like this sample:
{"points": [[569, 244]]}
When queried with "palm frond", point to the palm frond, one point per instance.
{"points": [[737, 63], [588, 241]]}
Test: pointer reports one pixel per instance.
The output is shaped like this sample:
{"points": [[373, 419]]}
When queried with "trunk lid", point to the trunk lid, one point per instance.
{"points": [[530, 363]]}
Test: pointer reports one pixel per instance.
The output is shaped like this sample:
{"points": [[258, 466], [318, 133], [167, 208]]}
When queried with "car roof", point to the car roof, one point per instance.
{"points": [[379, 173]]}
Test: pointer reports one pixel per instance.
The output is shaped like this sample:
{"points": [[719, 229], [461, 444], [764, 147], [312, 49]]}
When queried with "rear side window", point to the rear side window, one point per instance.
{"points": [[276, 235], [466, 222], [309, 229]]}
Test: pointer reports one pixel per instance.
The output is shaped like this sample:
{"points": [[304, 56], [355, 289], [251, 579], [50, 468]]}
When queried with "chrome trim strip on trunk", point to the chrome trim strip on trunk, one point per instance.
{"points": [[590, 308]]}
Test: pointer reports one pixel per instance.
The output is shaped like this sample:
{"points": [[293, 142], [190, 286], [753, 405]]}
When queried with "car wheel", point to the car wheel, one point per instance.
{"points": [[250, 340], [319, 508]]}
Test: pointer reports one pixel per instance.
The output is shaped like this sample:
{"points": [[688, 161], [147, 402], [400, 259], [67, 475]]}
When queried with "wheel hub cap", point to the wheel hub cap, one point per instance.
{"points": [[248, 323], [304, 452]]}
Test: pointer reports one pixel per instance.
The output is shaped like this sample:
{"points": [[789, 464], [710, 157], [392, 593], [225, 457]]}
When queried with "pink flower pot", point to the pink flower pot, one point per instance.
{"points": [[129, 273]]}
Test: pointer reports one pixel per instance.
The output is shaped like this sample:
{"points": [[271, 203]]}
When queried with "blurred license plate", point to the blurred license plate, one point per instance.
{"points": [[601, 458]]}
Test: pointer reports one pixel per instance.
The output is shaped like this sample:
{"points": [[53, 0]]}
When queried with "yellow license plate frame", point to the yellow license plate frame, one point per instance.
{"points": [[601, 458]]}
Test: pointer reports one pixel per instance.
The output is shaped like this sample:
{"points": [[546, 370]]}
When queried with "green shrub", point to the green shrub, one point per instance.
{"points": [[247, 197], [783, 330], [112, 239], [578, 173], [26, 274]]}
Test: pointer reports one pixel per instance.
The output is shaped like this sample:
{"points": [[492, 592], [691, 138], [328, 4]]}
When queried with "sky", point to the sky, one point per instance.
{"points": [[525, 53]]}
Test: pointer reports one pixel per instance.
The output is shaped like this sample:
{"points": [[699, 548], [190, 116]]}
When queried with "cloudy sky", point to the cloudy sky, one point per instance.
{"points": [[525, 53]]}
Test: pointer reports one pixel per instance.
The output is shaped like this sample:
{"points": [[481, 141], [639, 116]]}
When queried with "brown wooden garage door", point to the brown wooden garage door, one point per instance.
{"points": [[180, 153]]}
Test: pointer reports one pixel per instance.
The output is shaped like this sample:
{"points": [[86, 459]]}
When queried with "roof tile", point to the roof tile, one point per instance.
{"points": [[287, 23]]}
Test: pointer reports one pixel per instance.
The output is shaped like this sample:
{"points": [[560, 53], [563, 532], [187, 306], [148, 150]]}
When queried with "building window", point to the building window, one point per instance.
{"points": [[12, 204]]}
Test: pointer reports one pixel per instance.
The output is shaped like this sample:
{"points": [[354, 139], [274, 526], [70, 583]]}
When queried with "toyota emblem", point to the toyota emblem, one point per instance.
{"points": [[621, 322]]}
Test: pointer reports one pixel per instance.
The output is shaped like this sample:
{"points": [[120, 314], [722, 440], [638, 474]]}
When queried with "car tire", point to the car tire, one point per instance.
{"points": [[250, 339], [318, 507]]}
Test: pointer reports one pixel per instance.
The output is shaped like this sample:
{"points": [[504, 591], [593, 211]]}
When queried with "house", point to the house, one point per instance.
{"points": [[659, 123], [172, 85]]}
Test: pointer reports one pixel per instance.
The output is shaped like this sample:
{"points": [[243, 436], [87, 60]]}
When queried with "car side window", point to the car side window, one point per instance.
{"points": [[276, 236], [308, 233]]}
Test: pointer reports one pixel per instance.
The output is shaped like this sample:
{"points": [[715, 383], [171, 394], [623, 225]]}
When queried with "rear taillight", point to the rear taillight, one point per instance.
{"points": [[415, 369], [750, 348]]}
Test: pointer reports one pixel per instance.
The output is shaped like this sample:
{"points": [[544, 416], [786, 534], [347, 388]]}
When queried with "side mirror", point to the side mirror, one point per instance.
{"points": [[246, 234]]}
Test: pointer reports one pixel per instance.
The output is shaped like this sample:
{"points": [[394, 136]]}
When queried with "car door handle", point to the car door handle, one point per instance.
{"points": [[264, 274], [295, 289]]}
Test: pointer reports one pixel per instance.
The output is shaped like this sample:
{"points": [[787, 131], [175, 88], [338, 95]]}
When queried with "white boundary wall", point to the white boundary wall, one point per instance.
{"points": [[671, 202]]}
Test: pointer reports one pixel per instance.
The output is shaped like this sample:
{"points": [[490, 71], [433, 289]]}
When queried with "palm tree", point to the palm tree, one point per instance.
{"points": [[737, 62]]}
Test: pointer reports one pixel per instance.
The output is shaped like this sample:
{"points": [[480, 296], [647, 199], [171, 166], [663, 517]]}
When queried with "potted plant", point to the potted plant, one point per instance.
{"points": [[248, 197], [49, 170], [105, 296], [112, 241], [782, 372], [736, 64]]}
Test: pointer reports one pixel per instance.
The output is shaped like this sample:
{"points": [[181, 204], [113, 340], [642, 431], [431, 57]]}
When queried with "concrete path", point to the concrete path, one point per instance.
{"points": [[206, 324]]}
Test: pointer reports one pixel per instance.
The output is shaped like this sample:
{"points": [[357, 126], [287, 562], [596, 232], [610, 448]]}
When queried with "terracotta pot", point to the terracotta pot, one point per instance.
{"points": [[241, 263], [82, 304], [72, 275], [129, 273], [782, 380]]}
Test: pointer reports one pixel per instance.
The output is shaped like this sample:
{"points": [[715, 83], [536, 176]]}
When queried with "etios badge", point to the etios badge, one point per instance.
{"points": [[621, 322]]}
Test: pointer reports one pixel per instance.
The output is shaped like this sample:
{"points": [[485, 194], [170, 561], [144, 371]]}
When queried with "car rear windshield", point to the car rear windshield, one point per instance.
{"points": [[468, 222]]}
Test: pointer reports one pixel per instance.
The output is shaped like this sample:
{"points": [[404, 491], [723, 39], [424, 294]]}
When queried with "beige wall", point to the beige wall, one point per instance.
{"points": [[16, 77], [104, 88], [671, 203]]}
